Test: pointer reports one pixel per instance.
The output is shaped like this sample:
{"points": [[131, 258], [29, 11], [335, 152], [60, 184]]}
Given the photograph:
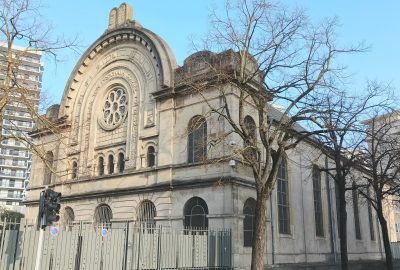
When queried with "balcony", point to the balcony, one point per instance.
{"points": [[13, 163], [14, 153], [13, 174], [17, 115], [16, 125], [11, 196], [12, 187]]}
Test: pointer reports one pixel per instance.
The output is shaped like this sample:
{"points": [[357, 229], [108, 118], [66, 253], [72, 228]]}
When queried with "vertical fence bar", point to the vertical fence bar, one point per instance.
{"points": [[126, 246]]}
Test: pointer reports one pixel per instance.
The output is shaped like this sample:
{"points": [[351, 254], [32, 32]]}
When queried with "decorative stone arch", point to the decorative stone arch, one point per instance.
{"points": [[68, 215], [146, 212], [145, 153], [197, 132], [120, 160], [48, 168], [249, 209], [99, 157], [91, 104], [102, 214], [195, 213], [74, 167], [157, 48]]}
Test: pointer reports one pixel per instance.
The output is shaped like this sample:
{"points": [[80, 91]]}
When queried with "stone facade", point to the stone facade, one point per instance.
{"points": [[124, 100]]}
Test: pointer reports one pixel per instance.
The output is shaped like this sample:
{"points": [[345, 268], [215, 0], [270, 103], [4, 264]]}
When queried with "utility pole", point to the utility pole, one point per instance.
{"points": [[49, 209]]}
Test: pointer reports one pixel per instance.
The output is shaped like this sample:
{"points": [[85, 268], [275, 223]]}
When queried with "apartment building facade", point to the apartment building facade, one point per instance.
{"points": [[23, 92]]}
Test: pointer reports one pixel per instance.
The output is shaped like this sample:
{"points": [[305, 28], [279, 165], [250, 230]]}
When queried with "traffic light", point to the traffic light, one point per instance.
{"points": [[52, 206], [49, 207]]}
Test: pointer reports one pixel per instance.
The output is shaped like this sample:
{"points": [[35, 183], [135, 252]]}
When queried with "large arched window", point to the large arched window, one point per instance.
{"points": [[249, 210], [249, 152], [283, 198], [121, 163], [196, 212], [250, 126], [49, 158], [69, 215], [318, 213], [100, 166], [110, 164], [74, 170], [151, 156], [197, 139], [146, 213], [103, 214]]}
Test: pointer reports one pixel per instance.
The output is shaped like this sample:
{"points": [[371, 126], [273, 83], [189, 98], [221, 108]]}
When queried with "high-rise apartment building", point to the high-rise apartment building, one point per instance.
{"points": [[24, 92]]}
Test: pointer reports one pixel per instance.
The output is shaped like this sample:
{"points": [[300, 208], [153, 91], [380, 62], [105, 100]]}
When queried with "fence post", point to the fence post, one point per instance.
{"points": [[40, 244], [126, 245]]}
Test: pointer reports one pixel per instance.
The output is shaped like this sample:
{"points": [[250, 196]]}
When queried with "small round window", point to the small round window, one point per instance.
{"points": [[115, 109]]}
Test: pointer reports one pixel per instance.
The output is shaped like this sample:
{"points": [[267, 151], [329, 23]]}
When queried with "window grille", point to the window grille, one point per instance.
{"points": [[356, 212], [196, 212], [371, 220], [48, 167], [248, 222], [318, 212], [197, 139], [250, 139], [283, 199], [110, 164], [101, 166], [74, 169], [146, 213], [151, 156], [121, 163], [103, 214], [337, 197], [69, 215]]}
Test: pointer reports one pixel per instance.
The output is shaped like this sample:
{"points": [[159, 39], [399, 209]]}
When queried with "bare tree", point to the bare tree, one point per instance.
{"points": [[381, 157], [341, 116], [24, 35], [270, 56]]}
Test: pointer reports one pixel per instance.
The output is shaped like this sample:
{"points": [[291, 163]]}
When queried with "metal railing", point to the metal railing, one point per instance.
{"points": [[117, 245], [395, 250]]}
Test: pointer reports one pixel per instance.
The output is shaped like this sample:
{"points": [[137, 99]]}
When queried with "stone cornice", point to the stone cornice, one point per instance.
{"points": [[159, 187]]}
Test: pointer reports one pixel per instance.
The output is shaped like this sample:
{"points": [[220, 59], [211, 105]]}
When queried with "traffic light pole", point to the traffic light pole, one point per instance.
{"points": [[40, 244], [49, 208]]}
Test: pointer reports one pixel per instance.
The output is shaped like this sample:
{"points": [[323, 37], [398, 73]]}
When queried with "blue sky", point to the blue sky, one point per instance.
{"points": [[375, 22]]}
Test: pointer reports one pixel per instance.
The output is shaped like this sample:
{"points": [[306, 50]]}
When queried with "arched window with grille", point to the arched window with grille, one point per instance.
{"points": [[197, 139], [317, 192], [121, 163], [69, 216], [100, 166], [249, 152], [110, 164], [49, 159], [250, 126], [249, 210], [74, 170], [103, 214], [151, 156], [146, 213], [195, 212], [283, 198]]}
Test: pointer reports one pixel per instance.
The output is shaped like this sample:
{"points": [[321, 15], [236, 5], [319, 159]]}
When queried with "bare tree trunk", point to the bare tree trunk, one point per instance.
{"points": [[385, 236], [343, 231], [257, 255]]}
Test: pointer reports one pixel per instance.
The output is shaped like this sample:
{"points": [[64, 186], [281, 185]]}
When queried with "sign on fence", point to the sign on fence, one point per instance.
{"points": [[122, 245]]}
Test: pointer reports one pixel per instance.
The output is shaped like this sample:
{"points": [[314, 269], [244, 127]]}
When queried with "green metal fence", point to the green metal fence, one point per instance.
{"points": [[119, 245]]}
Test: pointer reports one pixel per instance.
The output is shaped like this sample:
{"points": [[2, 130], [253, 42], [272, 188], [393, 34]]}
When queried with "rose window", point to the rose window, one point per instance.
{"points": [[115, 109]]}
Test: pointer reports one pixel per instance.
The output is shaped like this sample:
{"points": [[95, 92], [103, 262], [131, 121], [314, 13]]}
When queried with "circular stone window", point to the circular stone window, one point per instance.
{"points": [[114, 110]]}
